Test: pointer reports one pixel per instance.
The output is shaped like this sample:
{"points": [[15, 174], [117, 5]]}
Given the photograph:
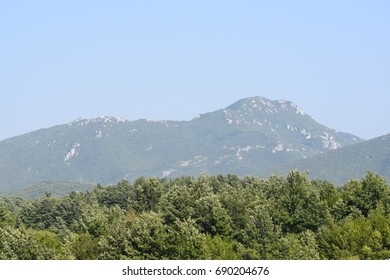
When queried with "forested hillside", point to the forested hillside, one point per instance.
{"points": [[352, 161], [217, 217]]}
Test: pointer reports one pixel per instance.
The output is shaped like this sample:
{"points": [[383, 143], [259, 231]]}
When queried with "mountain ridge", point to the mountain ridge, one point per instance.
{"points": [[350, 162], [245, 138]]}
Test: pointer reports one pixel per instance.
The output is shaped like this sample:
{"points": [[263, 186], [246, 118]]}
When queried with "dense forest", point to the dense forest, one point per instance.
{"points": [[208, 217]]}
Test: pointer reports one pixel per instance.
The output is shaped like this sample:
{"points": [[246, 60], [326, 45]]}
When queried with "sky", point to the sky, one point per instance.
{"points": [[172, 60]]}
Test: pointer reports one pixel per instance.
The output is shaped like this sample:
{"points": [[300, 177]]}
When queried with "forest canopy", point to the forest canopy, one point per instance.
{"points": [[205, 217]]}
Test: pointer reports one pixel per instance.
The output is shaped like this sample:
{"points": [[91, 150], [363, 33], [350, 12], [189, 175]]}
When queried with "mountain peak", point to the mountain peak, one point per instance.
{"points": [[101, 119], [248, 137], [259, 103], [257, 111]]}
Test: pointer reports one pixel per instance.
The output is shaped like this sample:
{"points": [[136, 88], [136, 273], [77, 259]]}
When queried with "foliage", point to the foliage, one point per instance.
{"points": [[217, 217]]}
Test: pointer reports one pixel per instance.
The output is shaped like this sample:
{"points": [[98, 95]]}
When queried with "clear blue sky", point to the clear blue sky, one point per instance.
{"points": [[61, 60]]}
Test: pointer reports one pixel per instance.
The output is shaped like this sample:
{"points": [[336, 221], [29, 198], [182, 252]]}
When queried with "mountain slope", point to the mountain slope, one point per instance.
{"points": [[353, 161], [54, 188], [245, 138]]}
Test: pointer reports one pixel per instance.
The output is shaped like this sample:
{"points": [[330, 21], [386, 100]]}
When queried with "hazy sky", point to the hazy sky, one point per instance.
{"points": [[61, 60]]}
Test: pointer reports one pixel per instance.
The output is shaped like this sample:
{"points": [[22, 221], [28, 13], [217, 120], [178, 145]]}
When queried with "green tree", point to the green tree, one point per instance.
{"points": [[176, 203], [302, 246], [5, 216], [83, 246], [147, 193], [94, 220], [298, 206], [115, 244], [40, 214], [364, 196], [28, 244], [119, 194], [10, 239], [211, 218], [185, 242], [46, 245], [260, 230], [238, 202], [219, 248], [360, 238], [148, 237]]}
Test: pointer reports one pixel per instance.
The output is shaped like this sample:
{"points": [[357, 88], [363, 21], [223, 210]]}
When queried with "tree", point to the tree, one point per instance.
{"points": [[28, 244], [301, 246], [115, 244], [9, 241], [297, 206], [211, 218], [147, 193], [45, 245], [94, 220], [359, 238], [238, 202], [5, 217], [118, 194], [83, 246], [365, 195], [260, 231], [176, 203], [219, 248], [185, 242], [148, 237]]}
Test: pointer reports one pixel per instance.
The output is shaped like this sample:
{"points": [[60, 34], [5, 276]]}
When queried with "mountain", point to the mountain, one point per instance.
{"points": [[246, 138], [353, 161], [55, 188]]}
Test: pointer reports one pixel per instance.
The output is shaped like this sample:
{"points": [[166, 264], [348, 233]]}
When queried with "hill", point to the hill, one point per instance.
{"points": [[353, 161], [245, 138], [52, 188]]}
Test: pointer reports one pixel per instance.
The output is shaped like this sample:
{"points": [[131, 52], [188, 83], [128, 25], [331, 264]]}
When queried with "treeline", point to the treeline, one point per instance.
{"points": [[209, 217]]}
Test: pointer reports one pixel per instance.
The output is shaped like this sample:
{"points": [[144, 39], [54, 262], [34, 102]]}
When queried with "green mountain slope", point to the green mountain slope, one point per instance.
{"points": [[54, 188], [245, 138], [353, 161]]}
